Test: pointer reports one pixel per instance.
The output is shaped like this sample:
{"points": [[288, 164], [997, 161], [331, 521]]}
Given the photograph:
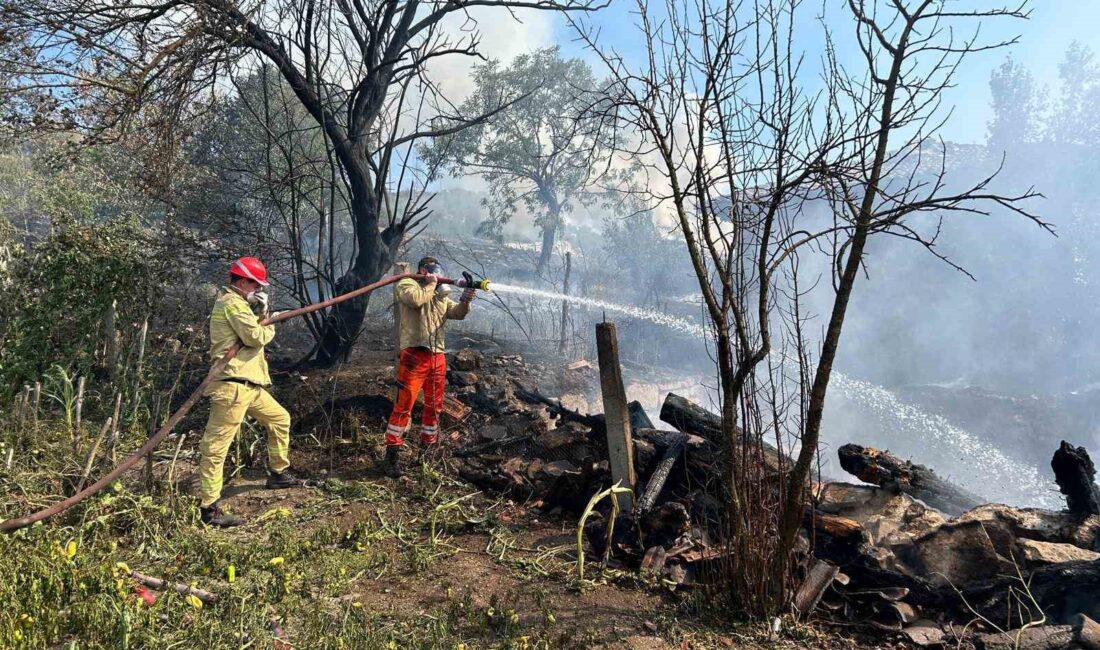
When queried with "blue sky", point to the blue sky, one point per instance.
{"points": [[1053, 25]]}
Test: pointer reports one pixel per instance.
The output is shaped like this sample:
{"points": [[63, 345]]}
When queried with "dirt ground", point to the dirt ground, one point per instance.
{"points": [[491, 554]]}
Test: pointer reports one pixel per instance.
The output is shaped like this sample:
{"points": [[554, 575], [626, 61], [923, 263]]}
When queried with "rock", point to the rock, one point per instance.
{"points": [[1087, 632], [889, 518], [1047, 637], [958, 554], [493, 432], [925, 633], [561, 437], [462, 378], [1037, 524], [467, 360], [559, 468], [1051, 553]]}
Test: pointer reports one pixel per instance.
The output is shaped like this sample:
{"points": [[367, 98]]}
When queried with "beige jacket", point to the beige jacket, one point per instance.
{"points": [[232, 320], [424, 315]]}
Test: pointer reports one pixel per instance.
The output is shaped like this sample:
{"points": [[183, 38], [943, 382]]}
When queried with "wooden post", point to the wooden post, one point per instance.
{"points": [[399, 268], [565, 303], [113, 440], [111, 332], [37, 403], [77, 434], [620, 448], [138, 366], [24, 405]]}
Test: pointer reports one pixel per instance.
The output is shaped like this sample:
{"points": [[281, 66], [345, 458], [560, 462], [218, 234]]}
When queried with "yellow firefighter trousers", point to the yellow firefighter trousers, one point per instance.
{"points": [[230, 402]]}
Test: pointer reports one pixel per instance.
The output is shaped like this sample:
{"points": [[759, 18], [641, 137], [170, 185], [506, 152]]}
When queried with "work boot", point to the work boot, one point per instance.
{"points": [[391, 464], [213, 515], [282, 480]]}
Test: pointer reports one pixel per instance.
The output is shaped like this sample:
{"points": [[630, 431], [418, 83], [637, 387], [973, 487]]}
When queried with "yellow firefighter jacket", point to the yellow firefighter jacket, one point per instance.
{"points": [[232, 320], [423, 315]]}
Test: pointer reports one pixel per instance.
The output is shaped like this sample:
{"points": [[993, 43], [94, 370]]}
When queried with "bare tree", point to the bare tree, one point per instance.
{"points": [[881, 180], [357, 67], [760, 172]]}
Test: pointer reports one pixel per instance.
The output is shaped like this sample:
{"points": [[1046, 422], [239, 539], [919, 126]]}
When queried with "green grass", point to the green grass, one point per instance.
{"points": [[62, 585]]}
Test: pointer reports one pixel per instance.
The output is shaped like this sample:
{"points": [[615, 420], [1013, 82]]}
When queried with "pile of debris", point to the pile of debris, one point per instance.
{"points": [[908, 552], [918, 556]]}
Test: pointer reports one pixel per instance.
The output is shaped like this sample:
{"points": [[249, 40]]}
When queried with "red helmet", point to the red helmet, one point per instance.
{"points": [[250, 268]]}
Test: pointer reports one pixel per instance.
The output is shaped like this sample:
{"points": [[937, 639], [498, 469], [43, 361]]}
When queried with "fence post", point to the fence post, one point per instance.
{"points": [[620, 446]]}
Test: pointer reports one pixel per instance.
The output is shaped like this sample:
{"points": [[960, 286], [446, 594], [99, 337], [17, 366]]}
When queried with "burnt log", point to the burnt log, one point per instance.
{"points": [[892, 473], [660, 475], [1074, 473], [596, 422], [689, 417]]}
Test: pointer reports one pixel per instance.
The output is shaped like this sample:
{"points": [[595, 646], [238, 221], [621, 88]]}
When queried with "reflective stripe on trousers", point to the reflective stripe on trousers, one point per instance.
{"points": [[418, 368]]}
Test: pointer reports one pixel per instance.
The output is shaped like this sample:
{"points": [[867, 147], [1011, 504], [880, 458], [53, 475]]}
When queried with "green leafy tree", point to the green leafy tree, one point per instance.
{"points": [[72, 241], [1017, 106], [1074, 120], [545, 151]]}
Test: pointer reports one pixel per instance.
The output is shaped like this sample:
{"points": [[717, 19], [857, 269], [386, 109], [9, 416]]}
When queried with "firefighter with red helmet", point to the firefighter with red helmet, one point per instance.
{"points": [[241, 389]]}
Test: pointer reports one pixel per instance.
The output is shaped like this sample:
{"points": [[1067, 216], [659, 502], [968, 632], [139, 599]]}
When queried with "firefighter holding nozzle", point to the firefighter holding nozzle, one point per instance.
{"points": [[424, 307]]}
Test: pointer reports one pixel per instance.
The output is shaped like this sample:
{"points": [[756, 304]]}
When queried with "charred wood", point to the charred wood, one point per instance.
{"points": [[660, 475], [890, 472], [1074, 473]]}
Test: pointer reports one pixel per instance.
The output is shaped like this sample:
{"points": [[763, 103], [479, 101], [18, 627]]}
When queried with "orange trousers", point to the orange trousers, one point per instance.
{"points": [[418, 368]]}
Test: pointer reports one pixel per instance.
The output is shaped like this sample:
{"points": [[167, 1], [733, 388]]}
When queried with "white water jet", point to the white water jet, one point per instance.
{"points": [[904, 429], [668, 320]]}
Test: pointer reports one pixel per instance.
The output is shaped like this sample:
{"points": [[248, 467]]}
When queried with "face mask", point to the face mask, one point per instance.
{"points": [[434, 268], [256, 297]]}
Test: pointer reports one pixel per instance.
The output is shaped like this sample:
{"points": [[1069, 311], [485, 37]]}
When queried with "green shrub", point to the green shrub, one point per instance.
{"points": [[59, 289]]}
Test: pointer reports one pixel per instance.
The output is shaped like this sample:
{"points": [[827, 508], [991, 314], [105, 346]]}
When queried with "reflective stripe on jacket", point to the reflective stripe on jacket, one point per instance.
{"points": [[232, 320], [424, 315]]}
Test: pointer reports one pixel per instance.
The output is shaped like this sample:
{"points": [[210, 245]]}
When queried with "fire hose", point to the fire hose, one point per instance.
{"points": [[108, 478]]}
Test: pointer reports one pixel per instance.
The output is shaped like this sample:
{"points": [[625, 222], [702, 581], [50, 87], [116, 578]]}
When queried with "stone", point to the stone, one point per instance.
{"points": [[461, 378], [1045, 637], [925, 633], [891, 519], [493, 432], [1037, 552], [467, 360], [1087, 632], [957, 554], [1037, 524]]}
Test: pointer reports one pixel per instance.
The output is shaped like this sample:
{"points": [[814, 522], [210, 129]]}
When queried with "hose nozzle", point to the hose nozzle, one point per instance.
{"points": [[468, 281]]}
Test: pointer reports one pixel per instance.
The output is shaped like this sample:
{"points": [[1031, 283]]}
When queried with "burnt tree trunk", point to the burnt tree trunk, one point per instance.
{"points": [[888, 471], [376, 253], [1075, 474]]}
